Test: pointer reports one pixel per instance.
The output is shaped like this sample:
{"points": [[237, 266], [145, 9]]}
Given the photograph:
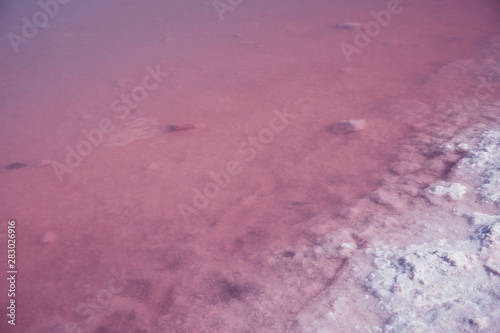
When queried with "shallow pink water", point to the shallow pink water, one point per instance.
{"points": [[119, 207]]}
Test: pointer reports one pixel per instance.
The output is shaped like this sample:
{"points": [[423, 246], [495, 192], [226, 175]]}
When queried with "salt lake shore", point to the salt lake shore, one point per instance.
{"points": [[419, 254], [423, 254], [428, 261]]}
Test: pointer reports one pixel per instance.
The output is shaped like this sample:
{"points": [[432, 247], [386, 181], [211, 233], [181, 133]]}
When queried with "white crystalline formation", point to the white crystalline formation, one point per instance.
{"points": [[486, 158], [452, 191], [440, 285], [444, 285]]}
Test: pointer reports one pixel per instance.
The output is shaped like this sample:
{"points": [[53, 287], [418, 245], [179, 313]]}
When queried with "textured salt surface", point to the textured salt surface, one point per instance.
{"points": [[429, 260], [447, 275], [485, 159], [438, 286], [448, 285]]}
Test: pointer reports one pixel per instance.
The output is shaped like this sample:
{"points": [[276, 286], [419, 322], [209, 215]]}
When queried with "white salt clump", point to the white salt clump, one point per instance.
{"points": [[486, 160], [453, 191], [348, 245], [463, 147], [448, 147]]}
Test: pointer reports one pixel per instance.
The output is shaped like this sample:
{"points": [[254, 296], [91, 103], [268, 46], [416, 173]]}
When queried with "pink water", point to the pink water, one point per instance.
{"points": [[119, 208]]}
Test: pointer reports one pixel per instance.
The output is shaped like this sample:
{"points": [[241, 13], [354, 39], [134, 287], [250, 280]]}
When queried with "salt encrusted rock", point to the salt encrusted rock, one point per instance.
{"points": [[489, 235], [479, 321], [353, 125], [347, 126]]}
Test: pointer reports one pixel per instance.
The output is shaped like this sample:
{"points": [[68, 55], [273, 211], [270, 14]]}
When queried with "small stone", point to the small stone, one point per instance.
{"points": [[347, 126], [348, 25], [480, 322], [491, 268]]}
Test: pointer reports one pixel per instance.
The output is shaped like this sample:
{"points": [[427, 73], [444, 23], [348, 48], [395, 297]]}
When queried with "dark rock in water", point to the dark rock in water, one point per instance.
{"points": [[180, 128], [15, 166], [348, 26]]}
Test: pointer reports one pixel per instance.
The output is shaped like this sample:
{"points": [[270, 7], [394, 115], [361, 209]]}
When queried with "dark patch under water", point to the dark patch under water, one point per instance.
{"points": [[179, 128], [15, 166]]}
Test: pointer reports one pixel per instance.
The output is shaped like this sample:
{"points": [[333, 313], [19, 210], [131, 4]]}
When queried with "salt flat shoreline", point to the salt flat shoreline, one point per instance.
{"points": [[429, 260], [423, 253]]}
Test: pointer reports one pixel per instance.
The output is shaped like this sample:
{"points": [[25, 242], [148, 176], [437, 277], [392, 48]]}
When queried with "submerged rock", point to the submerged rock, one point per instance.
{"points": [[348, 25], [347, 126], [16, 166], [34, 164]]}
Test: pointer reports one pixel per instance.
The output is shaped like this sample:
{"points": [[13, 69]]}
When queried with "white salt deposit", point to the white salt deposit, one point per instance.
{"points": [[440, 285], [485, 160], [437, 268], [448, 285], [453, 191]]}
